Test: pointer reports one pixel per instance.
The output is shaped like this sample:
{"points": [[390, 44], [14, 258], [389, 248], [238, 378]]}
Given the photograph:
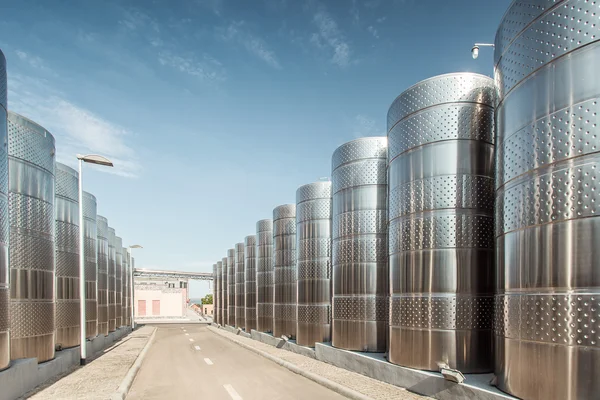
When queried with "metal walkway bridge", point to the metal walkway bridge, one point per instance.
{"points": [[154, 273]]}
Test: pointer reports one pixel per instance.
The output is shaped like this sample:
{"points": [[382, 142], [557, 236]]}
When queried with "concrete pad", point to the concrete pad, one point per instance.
{"points": [[374, 365], [290, 345], [235, 331], [26, 374]]}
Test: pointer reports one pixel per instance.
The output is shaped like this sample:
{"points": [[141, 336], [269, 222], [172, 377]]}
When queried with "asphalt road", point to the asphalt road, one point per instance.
{"points": [[190, 362]]}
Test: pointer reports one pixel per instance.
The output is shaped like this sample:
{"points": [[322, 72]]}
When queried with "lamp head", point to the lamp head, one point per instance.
{"points": [[475, 52]]}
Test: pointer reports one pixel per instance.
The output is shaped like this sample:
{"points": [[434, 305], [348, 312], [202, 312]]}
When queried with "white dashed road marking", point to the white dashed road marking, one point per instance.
{"points": [[191, 340], [207, 360], [232, 393], [197, 347], [187, 334]]}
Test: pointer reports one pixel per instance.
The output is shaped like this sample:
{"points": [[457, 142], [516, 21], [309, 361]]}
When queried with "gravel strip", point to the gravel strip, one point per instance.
{"points": [[100, 378]]}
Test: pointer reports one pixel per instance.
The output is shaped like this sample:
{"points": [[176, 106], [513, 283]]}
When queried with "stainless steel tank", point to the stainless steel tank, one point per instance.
{"points": [[547, 329], [215, 293], [4, 224], [441, 204], [230, 287], [118, 281], [219, 308], [359, 252], [284, 271], [68, 301], [102, 245], [125, 278], [240, 297], [264, 275], [250, 282], [313, 244], [112, 281], [90, 251], [225, 284], [32, 259]]}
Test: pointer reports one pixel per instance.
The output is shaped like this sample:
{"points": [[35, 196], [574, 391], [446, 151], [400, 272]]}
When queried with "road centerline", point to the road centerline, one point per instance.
{"points": [[208, 361], [232, 392]]}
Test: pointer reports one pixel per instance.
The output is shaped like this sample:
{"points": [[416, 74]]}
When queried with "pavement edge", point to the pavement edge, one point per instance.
{"points": [[336, 387], [126, 383]]}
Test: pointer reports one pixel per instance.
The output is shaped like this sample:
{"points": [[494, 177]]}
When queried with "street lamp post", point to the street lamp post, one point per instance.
{"points": [[476, 46], [131, 286], [92, 159]]}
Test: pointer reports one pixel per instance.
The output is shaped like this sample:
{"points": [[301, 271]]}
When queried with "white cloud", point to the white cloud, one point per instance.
{"points": [[252, 43], [207, 69], [34, 61], [365, 126], [75, 129], [329, 36], [373, 32], [257, 47], [354, 11], [135, 19], [214, 5], [381, 20]]}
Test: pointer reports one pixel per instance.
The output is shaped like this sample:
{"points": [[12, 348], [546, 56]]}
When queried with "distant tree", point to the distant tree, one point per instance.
{"points": [[207, 299]]}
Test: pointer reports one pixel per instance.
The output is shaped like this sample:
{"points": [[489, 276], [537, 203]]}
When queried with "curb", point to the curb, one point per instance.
{"points": [[336, 387], [126, 383]]}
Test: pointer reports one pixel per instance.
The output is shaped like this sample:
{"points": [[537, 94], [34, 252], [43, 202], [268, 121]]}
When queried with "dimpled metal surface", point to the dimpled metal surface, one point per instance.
{"points": [[284, 271], [66, 209], [547, 334], [230, 287], [313, 244], [250, 282], [441, 225], [31, 202], [219, 285], [215, 294], [118, 281], [4, 224], [264, 275], [112, 280], [126, 306], [90, 237], [359, 250], [102, 245], [240, 283], [222, 266]]}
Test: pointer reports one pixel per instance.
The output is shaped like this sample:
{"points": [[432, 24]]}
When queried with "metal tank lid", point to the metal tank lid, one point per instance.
{"points": [[312, 191], [34, 126], [88, 195], [284, 211], [447, 88], [264, 225], [359, 149], [250, 240], [239, 247]]}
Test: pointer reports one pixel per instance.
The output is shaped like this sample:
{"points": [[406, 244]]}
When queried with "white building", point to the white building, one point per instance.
{"points": [[157, 298]]}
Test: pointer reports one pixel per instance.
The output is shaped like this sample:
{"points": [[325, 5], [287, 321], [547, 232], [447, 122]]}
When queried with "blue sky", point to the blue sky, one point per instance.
{"points": [[215, 111]]}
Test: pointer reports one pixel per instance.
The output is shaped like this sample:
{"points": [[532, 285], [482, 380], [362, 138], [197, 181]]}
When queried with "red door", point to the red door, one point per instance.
{"points": [[142, 308], [155, 307]]}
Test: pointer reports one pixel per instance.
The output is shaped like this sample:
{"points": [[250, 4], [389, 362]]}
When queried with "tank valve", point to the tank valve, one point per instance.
{"points": [[451, 374]]}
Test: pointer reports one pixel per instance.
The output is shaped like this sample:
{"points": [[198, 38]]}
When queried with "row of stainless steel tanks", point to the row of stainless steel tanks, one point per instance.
{"points": [[39, 248], [468, 236]]}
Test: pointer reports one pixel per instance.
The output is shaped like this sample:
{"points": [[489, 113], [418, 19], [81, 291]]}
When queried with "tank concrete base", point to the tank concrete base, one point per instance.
{"points": [[26, 374], [289, 345], [236, 331], [432, 384]]}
